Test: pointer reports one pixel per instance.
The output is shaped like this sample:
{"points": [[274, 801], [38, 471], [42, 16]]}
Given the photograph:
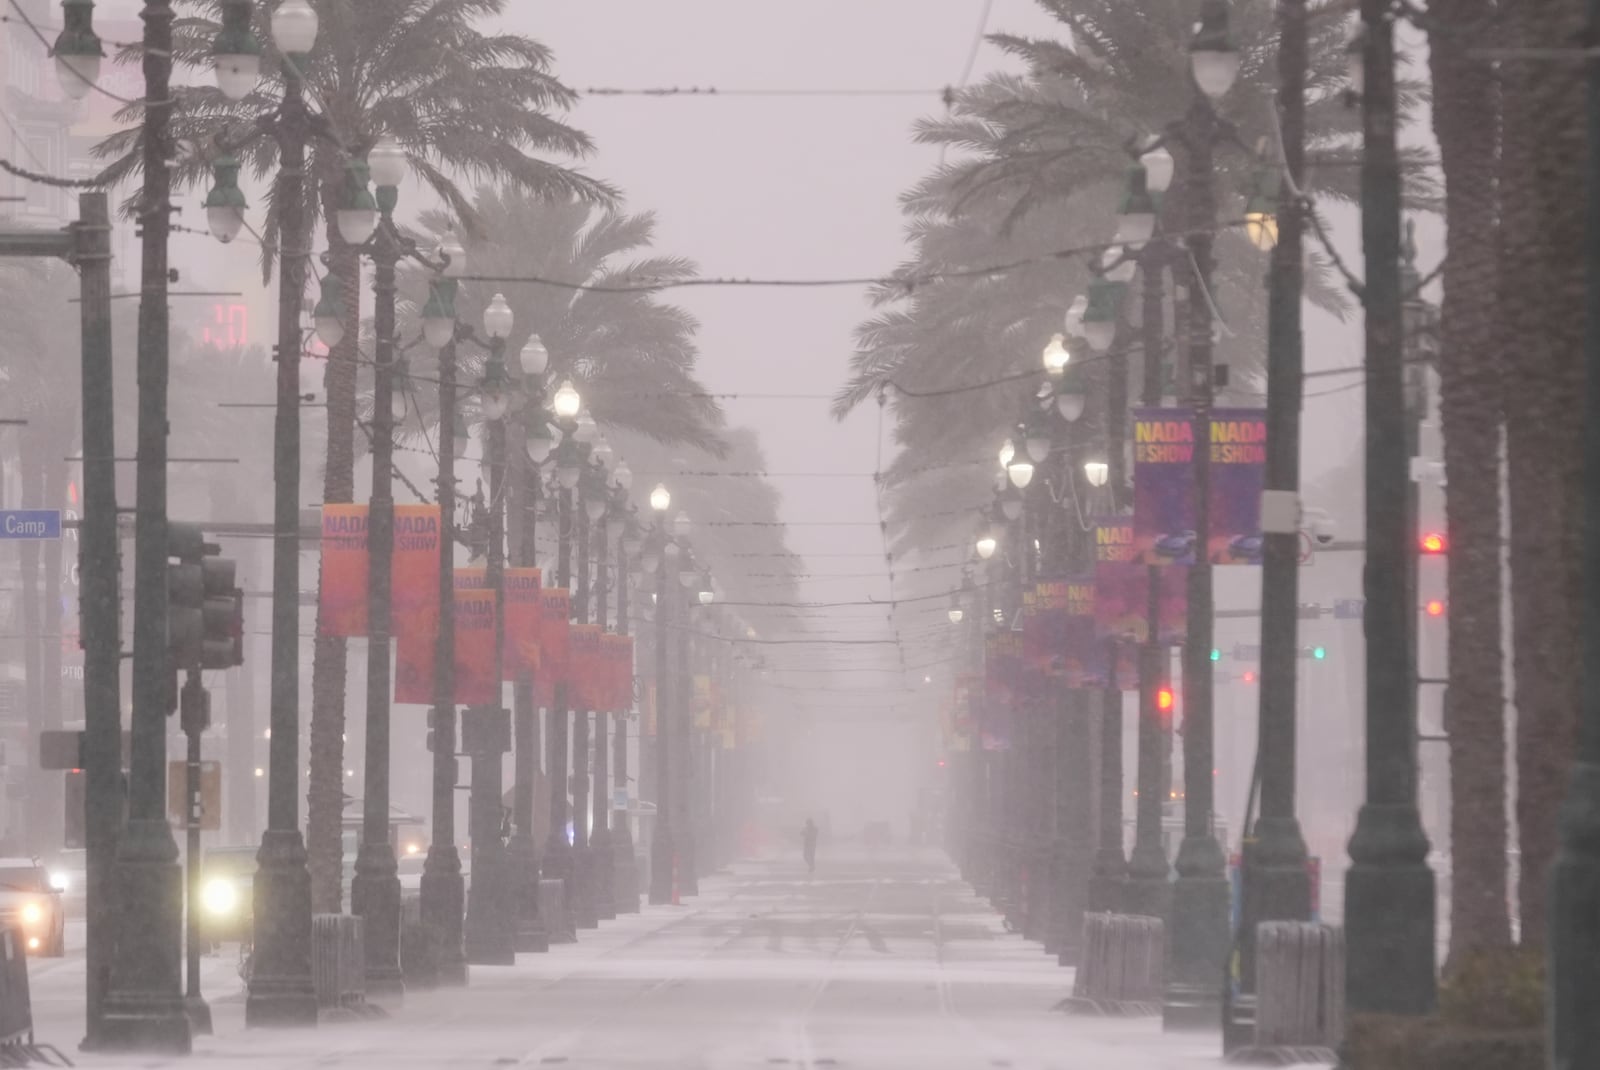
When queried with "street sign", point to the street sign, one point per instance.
{"points": [[1350, 609], [1246, 652], [619, 798], [30, 524]]}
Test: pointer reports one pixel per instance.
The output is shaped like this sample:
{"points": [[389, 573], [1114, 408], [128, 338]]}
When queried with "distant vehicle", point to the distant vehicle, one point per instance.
{"points": [[1175, 546], [1246, 549], [69, 875], [28, 901], [227, 886]]}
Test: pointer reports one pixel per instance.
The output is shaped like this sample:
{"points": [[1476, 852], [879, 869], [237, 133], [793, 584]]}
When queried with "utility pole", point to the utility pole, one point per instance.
{"points": [[443, 891], [1574, 1028], [375, 888], [1389, 889], [144, 1008], [99, 601], [280, 985], [1277, 886]]}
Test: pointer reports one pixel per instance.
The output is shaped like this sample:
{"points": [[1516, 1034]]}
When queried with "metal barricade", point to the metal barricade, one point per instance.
{"points": [[553, 909], [338, 966], [1299, 1006], [1122, 968], [17, 1046]]}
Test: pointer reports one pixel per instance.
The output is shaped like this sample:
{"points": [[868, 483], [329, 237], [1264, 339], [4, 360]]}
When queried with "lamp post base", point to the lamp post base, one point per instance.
{"points": [[490, 917], [443, 906], [1389, 915], [375, 899], [1198, 938], [531, 932], [144, 1009], [198, 1012], [604, 886], [581, 886], [624, 870], [281, 992]]}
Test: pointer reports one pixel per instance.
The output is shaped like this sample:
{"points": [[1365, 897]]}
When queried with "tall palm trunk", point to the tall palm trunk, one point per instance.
{"points": [[1543, 309], [325, 791], [1466, 120]]}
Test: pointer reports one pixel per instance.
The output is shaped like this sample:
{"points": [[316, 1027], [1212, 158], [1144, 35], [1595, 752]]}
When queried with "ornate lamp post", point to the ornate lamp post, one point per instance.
{"points": [[443, 891], [663, 852], [490, 899], [558, 855], [625, 869]]}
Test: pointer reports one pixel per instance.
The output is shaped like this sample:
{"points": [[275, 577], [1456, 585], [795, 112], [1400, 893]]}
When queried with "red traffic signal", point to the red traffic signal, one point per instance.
{"points": [[1165, 700], [1434, 607], [1433, 542]]}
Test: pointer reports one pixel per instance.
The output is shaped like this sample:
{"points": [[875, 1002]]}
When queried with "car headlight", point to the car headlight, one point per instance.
{"points": [[31, 914], [60, 881], [220, 896]]}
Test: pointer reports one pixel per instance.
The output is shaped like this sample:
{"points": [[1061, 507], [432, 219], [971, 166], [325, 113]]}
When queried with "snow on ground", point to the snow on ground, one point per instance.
{"points": [[882, 962]]}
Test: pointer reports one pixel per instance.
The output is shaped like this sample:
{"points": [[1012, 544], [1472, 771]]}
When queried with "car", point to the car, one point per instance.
{"points": [[1176, 546], [28, 901], [69, 875], [227, 885]]}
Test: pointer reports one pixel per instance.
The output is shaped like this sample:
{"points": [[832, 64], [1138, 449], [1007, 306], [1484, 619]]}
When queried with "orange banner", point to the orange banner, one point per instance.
{"points": [[414, 659], [476, 681], [583, 662], [342, 588], [414, 572], [520, 661], [554, 627]]}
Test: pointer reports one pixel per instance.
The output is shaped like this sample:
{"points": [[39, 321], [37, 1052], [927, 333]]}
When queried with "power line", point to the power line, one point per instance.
{"points": [[714, 91]]}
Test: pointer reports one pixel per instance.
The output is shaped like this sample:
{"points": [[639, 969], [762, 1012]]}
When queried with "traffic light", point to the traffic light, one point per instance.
{"points": [[222, 642], [1165, 700], [1433, 543], [1319, 653], [1434, 607]]}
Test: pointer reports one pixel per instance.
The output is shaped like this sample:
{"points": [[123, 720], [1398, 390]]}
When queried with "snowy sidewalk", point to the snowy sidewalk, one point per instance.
{"points": [[873, 963]]}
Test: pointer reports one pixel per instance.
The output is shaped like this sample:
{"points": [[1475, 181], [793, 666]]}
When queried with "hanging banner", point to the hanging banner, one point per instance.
{"points": [[1163, 486], [1238, 476], [1044, 629], [476, 681], [1003, 687], [617, 656], [519, 661], [414, 571], [555, 612], [1087, 654], [1122, 589], [583, 663], [342, 587]]}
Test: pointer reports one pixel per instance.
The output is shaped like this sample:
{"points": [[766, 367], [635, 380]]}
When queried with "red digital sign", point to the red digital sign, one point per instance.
{"points": [[229, 327]]}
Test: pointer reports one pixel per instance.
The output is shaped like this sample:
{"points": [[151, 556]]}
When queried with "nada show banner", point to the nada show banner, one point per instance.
{"points": [[555, 625], [414, 571], [416, 656], [519, 662], [477, 683], [1086, 651], [1002, 687], [1238, 475], [1163, 486], [1122, 590], [342, 588]]}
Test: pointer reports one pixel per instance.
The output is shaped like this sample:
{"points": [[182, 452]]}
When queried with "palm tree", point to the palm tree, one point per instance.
{"points": [[462, 102], [631, 355], [1042, 162], [1543, 310], [1466, 121]]}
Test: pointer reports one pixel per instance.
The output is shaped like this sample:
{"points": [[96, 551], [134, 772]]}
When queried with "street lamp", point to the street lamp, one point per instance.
{"points": [[1008, 450], [1100, 316], [1096, 472], [681, 525], [1056, 356], [1212, 57], [566, 402], [225, 203], [1261, 211], [1136, 216], [660, 498], [357, 214], [1158, 168], [1020, 471], [1070, 397], [1073, 322], [955, 612], [986, 544], [535, 358], [78, 50], [1036, 438]]}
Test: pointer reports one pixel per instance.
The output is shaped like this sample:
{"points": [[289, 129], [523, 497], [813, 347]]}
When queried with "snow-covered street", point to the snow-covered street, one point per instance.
{"points": [[885, 961]]}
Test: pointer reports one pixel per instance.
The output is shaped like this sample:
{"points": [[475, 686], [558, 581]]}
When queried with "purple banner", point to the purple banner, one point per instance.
{"points": [[1238, 474], [1003, 687], [1122, 590], [1163, 486]]}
